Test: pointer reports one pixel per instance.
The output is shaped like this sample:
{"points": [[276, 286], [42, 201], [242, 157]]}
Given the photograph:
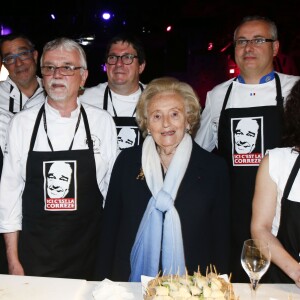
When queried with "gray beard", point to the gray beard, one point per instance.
{"points": [[56, 98]]}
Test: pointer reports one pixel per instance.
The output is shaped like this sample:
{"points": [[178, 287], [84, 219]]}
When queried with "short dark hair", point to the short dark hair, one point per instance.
{"points": [[13, 36], [291, 135], [132, 40]]}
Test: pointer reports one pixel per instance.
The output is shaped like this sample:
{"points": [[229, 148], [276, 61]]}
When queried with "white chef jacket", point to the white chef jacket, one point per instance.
{"points": [[124, 105], [5, 94], [61, 132], [242, 95], [5, 117], [281, 162]]}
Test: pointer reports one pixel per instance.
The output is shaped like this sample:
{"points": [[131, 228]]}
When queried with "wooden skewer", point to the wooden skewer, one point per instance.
{"points": [[215, 270]]}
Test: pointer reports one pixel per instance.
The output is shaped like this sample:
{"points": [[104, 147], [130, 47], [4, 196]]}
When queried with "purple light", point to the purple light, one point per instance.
{"points": [[5, 30], [52, 16], [106, 16]]}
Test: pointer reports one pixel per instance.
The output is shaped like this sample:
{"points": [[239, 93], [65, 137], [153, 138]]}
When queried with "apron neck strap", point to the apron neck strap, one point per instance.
{"points": [[105, 100], [291, 178], [42, 113]]}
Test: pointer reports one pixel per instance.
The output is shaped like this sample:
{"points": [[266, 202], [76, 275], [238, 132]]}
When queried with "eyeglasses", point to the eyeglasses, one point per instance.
{"points": [[63, 70], [127, 59], [11, 59], [255, 42]]}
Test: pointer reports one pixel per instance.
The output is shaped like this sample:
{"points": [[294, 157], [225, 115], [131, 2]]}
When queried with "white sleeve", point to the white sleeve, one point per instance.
{"points": [[12, 182], [206, 136], [94, 95]]}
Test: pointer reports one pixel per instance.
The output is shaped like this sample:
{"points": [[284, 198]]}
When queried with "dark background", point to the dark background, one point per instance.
{"points": [[182, 53]]}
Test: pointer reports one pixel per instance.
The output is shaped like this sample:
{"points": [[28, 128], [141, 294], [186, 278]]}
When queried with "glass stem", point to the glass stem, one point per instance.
{"points": [[254, 284], [253, 294]]}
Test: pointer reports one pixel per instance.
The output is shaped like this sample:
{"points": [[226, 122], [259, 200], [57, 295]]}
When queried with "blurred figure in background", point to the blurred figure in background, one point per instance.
{"points": [[124, 62], [257, 96], [22, 88]]}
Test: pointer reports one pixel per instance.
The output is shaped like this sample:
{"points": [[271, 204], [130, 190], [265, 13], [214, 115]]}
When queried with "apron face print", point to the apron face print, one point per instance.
{"points": [[128, 132], [247, 141], [60, 186], [128, 136]]}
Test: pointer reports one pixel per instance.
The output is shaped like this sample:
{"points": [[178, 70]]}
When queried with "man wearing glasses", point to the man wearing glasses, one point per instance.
{"points": [[258, 93], [22, 88], [124, 62], [56, 235]]}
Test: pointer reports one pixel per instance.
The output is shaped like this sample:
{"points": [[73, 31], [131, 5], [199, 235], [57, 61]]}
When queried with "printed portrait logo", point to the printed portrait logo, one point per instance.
{"points": [[247, 141], [96, 143], [60, 185], [127, 137]]}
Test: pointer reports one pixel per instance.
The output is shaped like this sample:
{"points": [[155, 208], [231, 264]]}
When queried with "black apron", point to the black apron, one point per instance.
{"points": [[243, 167], [289, 228], [128, 131], [59, 235]]}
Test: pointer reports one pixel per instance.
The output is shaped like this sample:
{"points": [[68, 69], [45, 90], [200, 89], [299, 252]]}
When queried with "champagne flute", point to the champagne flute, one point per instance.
{"points": [[255, 259]]}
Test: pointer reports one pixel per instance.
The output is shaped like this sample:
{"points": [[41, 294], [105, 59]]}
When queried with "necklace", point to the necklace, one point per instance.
{"points": [[167, 158], [165, 168]]}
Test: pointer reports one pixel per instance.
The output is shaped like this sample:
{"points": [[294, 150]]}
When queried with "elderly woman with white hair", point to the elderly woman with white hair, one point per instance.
{"points": [[167, 206]]}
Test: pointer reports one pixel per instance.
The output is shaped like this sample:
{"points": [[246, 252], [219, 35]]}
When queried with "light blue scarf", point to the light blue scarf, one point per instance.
{"points": [[158, 235]]}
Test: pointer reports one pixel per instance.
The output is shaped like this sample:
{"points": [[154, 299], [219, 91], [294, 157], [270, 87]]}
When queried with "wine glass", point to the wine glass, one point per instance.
{"points": [[255, 259]]}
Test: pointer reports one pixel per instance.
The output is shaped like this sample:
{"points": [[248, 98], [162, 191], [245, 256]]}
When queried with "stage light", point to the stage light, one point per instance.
{"points": [[226, 47], [52, 16], [5, 30], [210, 46], [106, 16], [85, 40], [169, 28]]}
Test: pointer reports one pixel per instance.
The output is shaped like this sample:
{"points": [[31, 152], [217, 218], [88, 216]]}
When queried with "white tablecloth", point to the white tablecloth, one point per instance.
{"points": [[242, 290], [38, 288]]}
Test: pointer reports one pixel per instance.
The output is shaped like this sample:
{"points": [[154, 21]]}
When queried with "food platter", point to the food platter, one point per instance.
{"points": [[191, 287]]}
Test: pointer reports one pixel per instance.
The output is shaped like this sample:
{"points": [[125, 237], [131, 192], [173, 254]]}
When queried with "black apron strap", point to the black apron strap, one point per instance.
{"points": [[45, 127], [227, 94], [21, 101], [105, 100], [141, 87], [36, 127], [11, 100], [291, 178], [279, 97], [76, 128], [87, 128]]}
